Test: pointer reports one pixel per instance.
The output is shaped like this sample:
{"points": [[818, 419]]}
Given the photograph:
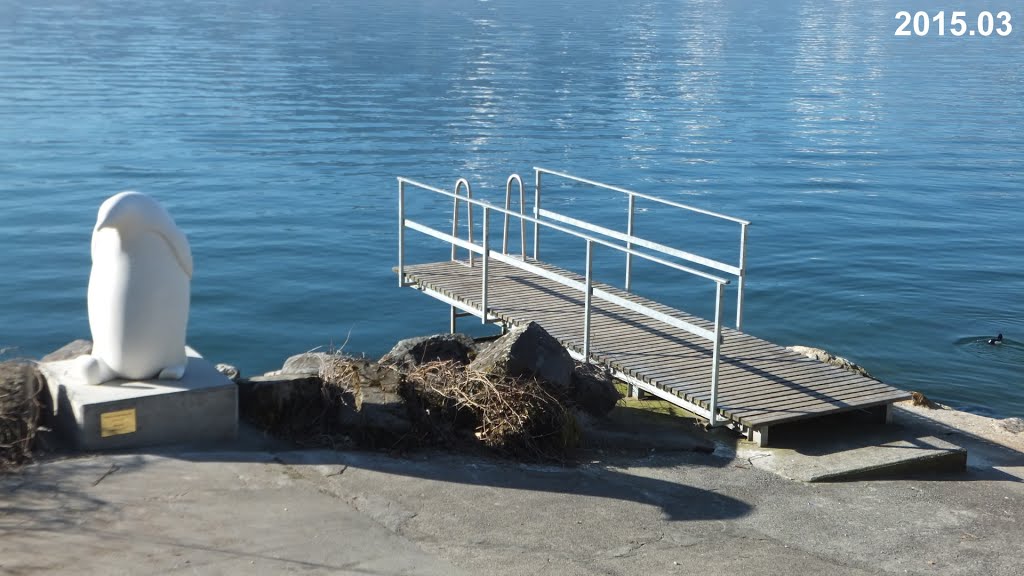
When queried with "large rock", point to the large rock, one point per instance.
{"points": [[379, 419], [528, 351], [413, 352], [309, 363], [351, 371], [1012, 425], [21, 384], [829, 358], [352, 397], [293, 406], [69, 351], [593, 389]]}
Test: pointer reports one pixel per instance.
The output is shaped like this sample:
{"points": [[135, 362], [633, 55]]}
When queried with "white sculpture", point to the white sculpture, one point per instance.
{"points": [[138, 292]]}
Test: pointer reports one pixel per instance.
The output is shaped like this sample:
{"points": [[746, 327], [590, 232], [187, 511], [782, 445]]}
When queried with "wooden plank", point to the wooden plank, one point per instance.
{"points": [[852, 398], [769, 389], [821, 410], [754, 406], [760, 383]]}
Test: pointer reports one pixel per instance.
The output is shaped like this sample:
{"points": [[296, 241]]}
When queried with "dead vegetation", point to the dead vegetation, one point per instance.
{"points": [[920, 399], [19, 414], [514, 417]]}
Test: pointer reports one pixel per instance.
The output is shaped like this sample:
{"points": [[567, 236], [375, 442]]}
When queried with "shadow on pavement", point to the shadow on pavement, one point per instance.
{"points": [[679, 502], [596, 476]]}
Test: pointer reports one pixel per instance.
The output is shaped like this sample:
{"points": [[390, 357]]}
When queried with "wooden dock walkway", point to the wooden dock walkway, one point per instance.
{"points": [[721, 374], [760, 384]]}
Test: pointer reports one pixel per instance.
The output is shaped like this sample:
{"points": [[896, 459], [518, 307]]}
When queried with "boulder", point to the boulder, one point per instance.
{"points": [[309, 363], [379, 419], [528, 350], [829, 358], [480, 345], [351, 397], [290, 405], [21, 384], [386, 378], [348, 370], [69, 351], [593, 389], [1012, 425], [413, 352]]}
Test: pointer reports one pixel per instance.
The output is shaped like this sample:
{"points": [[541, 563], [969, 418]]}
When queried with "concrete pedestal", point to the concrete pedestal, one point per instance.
{"points": [[121, 414]]}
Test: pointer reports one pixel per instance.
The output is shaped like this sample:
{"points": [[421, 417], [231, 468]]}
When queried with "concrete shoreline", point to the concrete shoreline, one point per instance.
{"points": [[259, 507]]}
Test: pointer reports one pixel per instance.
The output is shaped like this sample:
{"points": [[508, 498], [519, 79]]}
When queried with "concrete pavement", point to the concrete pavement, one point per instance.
{"points": [[256, 509]]}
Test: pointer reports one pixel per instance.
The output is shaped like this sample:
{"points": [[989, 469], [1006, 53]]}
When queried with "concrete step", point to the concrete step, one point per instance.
{"points": [[843, 449]]}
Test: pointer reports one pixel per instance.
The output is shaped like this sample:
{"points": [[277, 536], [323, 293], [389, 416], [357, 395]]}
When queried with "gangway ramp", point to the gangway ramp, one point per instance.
{"points": [[724, 375]]}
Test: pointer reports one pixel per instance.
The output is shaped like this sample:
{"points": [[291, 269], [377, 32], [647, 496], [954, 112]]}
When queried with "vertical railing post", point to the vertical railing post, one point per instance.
{"points": [[742, 278], [401, 233], [713, 408], [629, 230], [536, 214], [587, 300], [486, 261]]}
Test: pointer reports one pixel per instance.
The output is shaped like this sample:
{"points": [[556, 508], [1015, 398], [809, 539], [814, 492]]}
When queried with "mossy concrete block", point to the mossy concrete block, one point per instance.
{"points": [[125, 414]]}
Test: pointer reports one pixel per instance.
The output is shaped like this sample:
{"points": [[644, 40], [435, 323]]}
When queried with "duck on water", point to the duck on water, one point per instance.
{"points": [[997, 340]]}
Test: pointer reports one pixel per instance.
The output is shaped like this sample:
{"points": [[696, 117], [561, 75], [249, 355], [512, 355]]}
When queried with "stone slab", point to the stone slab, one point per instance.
{"points": [[847, 448], [123, 414], [890, 460]]}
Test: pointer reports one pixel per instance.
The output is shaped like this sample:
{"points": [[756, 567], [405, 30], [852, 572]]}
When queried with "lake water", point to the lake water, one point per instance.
{"points": [[884, 175]]}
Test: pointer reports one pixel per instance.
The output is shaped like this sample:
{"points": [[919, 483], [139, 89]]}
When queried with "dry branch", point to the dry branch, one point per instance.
{"points": [[516, 417]]}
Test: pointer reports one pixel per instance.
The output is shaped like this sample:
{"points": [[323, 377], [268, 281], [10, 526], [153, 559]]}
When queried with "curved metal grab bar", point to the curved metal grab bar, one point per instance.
{"points": [[522, 212], [469, 215]]}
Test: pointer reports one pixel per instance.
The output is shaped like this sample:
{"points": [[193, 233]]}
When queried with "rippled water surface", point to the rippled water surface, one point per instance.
{"points": [[883, 175]]}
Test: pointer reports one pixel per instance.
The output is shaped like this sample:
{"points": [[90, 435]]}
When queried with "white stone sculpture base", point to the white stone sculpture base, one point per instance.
{"points": [[201, 407]]}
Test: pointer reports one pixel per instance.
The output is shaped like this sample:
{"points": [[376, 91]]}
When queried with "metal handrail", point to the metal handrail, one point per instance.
{"points": [[641, 195], [587, 286], [630, 238], [469, 217], [522, 211], [537, 222]]}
